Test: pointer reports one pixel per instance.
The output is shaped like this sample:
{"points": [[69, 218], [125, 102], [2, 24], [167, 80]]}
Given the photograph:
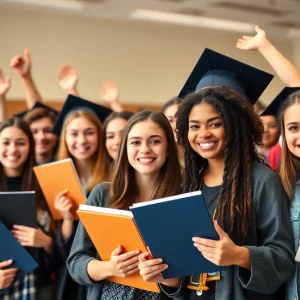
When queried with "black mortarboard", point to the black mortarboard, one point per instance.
{"points": [[74, 103], [216, 69], [36, 105], [274, 108]]}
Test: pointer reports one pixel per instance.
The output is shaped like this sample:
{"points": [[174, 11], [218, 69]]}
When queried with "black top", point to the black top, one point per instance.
{"points": [[14, 183], [210, 195]]}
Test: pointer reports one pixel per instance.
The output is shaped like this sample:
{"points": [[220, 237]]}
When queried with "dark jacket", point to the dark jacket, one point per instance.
{"points": [[270, 242]]}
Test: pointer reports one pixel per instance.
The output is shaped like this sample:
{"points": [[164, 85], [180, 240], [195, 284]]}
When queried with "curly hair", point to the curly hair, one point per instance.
{"points": [[243, 130]]}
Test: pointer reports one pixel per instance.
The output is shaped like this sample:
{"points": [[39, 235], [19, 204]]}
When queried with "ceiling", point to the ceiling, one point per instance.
{"points": [[280, 18]]}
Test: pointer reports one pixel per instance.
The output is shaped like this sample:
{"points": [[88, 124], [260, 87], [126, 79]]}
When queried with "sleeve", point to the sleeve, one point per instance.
{"points": [[174, 293], [83, 250], [272, 263]]}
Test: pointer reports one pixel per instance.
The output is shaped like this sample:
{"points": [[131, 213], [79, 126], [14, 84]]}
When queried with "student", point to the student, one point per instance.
{"points": [[81, 139], [169, 110], [4, 87], [146, 164], [271, 113], [112, 130], [16, 161], [288, 109], [245, 198]]}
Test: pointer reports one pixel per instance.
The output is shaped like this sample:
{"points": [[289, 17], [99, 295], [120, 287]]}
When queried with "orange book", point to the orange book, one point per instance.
{"points": [[56, 177], [108, 228]]}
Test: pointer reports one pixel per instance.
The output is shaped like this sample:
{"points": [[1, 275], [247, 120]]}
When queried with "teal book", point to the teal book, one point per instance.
{"points": [[168, 225], [11, 249]]}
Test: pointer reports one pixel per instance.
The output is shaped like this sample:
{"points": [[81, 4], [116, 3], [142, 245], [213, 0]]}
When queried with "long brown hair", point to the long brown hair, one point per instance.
{"points": [[124, 190], [63, 152], [28, 180], [243, 130], [289, 167], [125, 115]]}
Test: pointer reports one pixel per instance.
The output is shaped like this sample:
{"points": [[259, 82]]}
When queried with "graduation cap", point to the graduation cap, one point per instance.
{"points": [[74, 103], [36, 105], [216, 69], [274, 108]]}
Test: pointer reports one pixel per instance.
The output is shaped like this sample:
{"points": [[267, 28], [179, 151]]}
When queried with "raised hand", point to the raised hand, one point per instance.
{"points": [[7, 275], [252, 42], [123, 265], [109, 92], [4, 84], [22, 65], [67, 78]]}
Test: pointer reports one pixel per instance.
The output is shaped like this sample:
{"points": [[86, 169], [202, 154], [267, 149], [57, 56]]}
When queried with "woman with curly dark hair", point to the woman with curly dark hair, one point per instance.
{"points": [[245, 198]]}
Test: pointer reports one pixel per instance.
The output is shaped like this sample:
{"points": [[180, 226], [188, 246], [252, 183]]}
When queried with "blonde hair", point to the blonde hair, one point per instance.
{"points": [[63, 152]]}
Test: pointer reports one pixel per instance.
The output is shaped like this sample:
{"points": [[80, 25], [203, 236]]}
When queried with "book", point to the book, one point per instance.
{"points": [[18, 208], [168, 225], [108, 228], [58, 176], [11, 249]]}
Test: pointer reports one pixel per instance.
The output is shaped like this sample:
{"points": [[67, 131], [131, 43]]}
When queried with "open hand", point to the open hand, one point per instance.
{"points": [[67, 78], [4, 84], [252, 42]]}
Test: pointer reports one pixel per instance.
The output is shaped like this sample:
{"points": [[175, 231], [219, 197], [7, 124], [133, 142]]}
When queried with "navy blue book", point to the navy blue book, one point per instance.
{"points": [[168, 225], [18, 208], [11, 249]]}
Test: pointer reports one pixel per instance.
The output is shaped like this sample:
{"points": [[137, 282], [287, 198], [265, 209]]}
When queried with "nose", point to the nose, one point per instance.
{"points": [[204, 133], [81, 139], [144, 148], [12, 148], [40, 134], [117, 140]]}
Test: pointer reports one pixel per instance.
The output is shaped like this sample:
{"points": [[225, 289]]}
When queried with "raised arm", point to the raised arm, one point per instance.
{"points": [[110, 95], [67, 78], [285, 70], [4, 87], [22, 65]]}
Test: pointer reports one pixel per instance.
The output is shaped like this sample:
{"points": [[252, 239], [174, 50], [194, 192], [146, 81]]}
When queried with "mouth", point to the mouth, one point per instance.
{"points": [[207, 145], [82, 150], [146, 160], [12, 159]]}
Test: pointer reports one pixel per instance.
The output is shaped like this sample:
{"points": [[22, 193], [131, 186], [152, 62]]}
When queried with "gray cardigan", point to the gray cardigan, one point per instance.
{"points": [[270, 243], [83, 251]]}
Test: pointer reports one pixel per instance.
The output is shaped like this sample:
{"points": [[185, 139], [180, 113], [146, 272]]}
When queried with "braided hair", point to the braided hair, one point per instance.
{"points": [[243, 130]]}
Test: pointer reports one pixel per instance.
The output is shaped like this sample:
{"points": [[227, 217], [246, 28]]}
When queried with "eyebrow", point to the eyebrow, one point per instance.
{"points": [[209, 120], [292, 123], [19, 139], [140, 138]]}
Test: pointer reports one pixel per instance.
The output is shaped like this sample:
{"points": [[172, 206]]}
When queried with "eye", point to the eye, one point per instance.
{"points": [[194, 127], [135, 143], [74, 134], [90, 133], [110, 137], [293, 128], [155, 141], [215, 125], [20, 143], [5, 143]]}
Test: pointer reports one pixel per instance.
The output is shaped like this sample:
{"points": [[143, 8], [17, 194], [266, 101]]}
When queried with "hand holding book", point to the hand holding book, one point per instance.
{"points": [[7, 276]]}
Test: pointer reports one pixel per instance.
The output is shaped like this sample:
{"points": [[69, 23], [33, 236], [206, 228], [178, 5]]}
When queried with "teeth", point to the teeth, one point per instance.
{"points": [[145, 160], [207, 145]]}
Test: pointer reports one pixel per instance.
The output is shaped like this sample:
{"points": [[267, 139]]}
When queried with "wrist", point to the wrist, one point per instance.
{"points": [[265, 46], [48, 244], [242, 257]]}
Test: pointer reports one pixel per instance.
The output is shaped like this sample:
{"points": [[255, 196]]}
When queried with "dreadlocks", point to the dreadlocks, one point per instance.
{"points": [[243, 130]]}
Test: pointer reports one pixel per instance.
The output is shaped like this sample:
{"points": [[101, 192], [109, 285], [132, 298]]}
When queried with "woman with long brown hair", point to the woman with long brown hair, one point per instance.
{"points": [[17, 158], [146, 165]]}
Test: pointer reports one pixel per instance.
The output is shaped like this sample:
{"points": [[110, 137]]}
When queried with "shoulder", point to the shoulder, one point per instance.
{"points": [[99, 196], [261, 173]]}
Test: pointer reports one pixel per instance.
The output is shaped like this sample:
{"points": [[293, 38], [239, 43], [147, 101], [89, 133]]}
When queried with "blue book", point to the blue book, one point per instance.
{"points": [[11, 249], [168, 225]]}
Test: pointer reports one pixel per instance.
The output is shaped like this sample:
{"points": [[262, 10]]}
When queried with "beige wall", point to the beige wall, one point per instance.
{"points": [[149, 62]]}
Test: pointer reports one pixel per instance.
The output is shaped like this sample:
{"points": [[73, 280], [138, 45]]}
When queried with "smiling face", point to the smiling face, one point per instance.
{"points": [[14, 150], [44, 139], [113, 136], [292, 128], [146, 148], [206, 132], [81, 138], [271, 131]]}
